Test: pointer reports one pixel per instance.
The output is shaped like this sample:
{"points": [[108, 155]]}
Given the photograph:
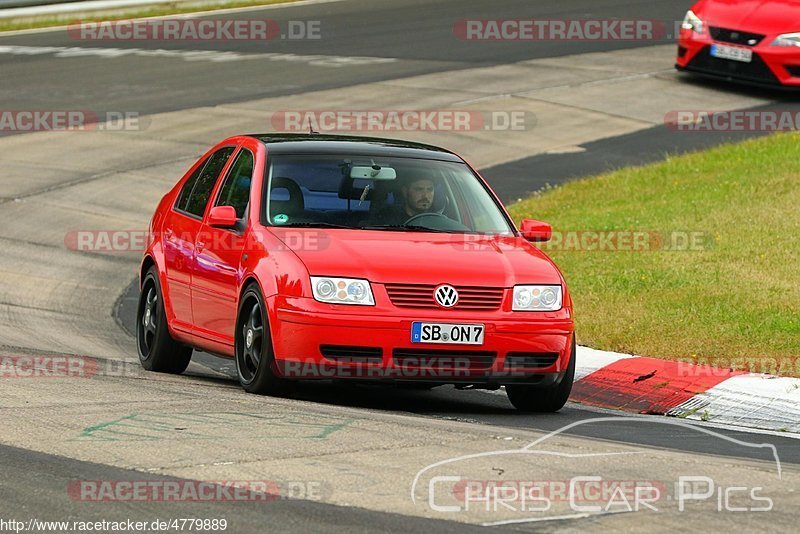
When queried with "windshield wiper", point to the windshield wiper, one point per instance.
{"points": [[389, 227], [315, 225], [403, 228], [382, 227]]}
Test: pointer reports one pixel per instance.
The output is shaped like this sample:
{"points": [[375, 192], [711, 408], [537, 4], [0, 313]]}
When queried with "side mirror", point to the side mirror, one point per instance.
{"points": [[222, 217], [535, 230]]}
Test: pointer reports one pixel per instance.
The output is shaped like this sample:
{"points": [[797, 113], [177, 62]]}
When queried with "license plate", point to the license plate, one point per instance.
{"points": [[459, 334], [734, 53]]}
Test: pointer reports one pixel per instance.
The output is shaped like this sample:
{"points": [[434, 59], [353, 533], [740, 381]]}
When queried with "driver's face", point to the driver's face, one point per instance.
{"points": [[419, 196]]}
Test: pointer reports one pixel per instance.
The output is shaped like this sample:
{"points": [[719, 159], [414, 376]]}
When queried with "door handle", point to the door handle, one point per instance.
{"points": [[200, 246]]}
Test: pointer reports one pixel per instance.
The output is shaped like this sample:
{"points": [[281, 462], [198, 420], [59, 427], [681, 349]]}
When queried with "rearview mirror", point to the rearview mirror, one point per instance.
{"points": [[222, 217], [376, 172], [533, 230]]}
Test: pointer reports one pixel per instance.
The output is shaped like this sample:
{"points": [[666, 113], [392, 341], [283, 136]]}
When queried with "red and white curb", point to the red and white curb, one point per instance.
{"points": [[685, 390], [723, 397]]}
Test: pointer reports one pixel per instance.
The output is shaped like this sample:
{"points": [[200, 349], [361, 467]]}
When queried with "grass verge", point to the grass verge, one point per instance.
{"points": [[731, 301], [48, 21]]}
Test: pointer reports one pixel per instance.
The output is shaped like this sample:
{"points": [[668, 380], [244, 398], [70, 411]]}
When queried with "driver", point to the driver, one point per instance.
{"points": [[417, 196]]}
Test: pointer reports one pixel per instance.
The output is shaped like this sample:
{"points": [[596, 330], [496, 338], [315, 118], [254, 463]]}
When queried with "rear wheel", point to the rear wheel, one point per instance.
{"points": [[255, 359], [158, 351], [547, 399]]}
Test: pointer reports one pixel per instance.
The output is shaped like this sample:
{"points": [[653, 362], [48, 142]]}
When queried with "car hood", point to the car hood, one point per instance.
{"points": [[421, 258], [756, 16]]}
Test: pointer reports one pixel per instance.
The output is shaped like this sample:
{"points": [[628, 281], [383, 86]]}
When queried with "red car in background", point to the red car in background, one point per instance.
{"points": [[331, 257], [749, 41]]}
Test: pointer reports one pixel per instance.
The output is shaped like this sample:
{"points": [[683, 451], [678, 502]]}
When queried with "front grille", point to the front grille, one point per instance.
{"points": [[531, 360], [443, 358], [794, 70], [726, 35], [421, 296], [352, 354], [756, 71]]}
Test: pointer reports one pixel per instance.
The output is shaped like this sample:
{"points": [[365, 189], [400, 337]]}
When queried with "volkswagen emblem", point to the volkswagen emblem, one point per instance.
{"points": [[446, 296], [752, 42]]}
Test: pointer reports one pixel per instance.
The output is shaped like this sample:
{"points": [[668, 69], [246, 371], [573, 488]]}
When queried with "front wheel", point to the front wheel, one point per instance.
{"points": [[255, 359], [158, 351], [547, 399]]}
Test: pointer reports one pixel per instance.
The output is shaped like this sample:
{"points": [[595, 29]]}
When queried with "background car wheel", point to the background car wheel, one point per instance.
{"points": [[158, 351], [255, 359], [548, 399]]}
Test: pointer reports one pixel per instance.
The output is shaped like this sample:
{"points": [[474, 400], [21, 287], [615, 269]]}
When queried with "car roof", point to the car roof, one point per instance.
{"points": [[315, 143]]}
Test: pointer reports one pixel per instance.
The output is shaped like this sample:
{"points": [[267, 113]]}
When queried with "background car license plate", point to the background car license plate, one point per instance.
{"points": [[745, 55], [460, 334]]}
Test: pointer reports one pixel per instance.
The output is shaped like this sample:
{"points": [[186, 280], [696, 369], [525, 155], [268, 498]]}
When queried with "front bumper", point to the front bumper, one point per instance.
{"points": [[772, 66], [313, 340]]}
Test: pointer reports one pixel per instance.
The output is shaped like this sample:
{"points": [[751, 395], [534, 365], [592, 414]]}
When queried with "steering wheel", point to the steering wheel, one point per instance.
{"points": [[438, 221], [425, 214]]}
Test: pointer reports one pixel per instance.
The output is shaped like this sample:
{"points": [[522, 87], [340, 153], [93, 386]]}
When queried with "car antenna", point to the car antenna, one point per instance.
{"points": [[311, 130]]}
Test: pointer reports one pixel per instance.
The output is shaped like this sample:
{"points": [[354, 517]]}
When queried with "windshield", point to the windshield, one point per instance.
{"points": [[401, 194]]}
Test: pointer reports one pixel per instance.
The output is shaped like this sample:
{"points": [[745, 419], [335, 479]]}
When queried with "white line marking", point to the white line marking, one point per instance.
{"points": [[214, 56], [554, 518]]}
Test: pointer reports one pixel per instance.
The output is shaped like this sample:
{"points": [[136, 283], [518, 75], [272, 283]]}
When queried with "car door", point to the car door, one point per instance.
{"points": [[217, 269], [181, 227]]}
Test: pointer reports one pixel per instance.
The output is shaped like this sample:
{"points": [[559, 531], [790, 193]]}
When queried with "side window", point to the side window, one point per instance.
{"points": [[236, 189], [201, 191], [186, 190]]}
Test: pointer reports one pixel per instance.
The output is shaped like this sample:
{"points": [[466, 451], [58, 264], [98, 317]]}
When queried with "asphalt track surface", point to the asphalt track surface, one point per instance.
{"points": [[412, 34], [516, 179], [33, 487], [417, 34]]}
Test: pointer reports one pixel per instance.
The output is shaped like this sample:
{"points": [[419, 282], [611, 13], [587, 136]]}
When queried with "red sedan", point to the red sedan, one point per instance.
{"points": [[749, 41], [331, 257]]}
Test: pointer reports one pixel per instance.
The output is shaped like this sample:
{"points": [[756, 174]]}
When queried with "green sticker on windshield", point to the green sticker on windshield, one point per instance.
{"points": [[280, 218]]}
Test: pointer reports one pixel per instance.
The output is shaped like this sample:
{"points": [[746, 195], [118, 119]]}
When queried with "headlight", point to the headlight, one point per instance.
{"points": [[342, 290], [692, 22], [537, 298], [787, 39]]}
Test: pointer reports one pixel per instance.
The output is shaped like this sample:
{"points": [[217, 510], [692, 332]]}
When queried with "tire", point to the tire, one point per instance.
{"points": [[158, 351], [255, 358], [416, 386], [544, 399]]}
